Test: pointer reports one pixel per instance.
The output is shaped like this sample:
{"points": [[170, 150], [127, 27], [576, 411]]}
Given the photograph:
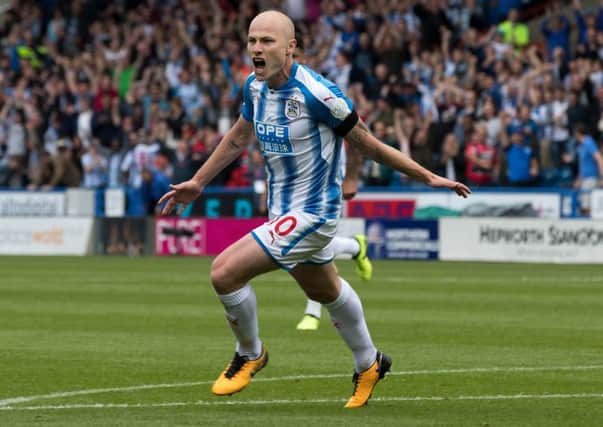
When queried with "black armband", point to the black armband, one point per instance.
{"points": [[347, 125]]}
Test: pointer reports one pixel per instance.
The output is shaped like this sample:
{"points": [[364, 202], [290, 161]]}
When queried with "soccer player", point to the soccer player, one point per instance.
{"points": [[299, 119]]}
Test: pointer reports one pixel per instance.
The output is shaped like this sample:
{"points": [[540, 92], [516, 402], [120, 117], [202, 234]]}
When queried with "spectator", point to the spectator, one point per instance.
{"points": [[52, 134], [15, 130], [521, 161], [41, 177], [106, 120], [432, 18], [493, 123], [13, 175], [559, 128], [344, 73], [94, 166], [105, 94], [528, 127], [154, 185], [364, 56], [590, 167], [84, 122], [450, 162], [188, 92], [140, 156], [65, 172], [420, 149], [480, 158], [515, 33], [114, 173], [183, 162], [556, 30]]}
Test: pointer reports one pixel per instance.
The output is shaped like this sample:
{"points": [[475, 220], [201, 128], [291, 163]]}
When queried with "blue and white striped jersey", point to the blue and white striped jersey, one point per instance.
{"points": [[294, 126]]}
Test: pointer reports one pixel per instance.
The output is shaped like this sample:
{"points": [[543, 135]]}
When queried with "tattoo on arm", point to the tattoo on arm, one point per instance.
{"points": [[239, 136], [362, 125], [353, 163], [357, 138]]}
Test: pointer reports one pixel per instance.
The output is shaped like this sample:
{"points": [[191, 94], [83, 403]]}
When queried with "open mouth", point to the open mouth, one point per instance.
{"points": [[259, 64]]}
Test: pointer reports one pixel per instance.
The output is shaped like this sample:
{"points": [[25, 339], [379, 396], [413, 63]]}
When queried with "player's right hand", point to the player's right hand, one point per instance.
{"points": [[349, 188], [180, 194]]}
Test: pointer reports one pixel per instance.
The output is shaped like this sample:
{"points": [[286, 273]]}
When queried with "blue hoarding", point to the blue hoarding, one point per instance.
{"points": [[402, 239]]}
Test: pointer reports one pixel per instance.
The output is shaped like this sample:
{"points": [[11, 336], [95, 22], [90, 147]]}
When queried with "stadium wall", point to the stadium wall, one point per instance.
{"points": [[45, 236], [521, 240], [479, 229]]}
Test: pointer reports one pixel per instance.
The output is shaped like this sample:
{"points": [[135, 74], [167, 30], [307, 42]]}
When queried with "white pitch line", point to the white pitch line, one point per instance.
{"points": [[300, 401], [469, 280], [58, 395]]}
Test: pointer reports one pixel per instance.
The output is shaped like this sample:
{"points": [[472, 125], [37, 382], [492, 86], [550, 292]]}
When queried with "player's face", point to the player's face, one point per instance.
{"points": [[268, 48]]}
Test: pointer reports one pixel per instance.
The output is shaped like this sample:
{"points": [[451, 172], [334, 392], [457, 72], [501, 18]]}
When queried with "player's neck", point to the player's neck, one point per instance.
{"points": [[282, 77]]}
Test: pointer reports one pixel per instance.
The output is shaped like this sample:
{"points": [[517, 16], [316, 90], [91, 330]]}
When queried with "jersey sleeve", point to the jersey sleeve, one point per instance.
{"points": [[329, 105], [247, 105]]}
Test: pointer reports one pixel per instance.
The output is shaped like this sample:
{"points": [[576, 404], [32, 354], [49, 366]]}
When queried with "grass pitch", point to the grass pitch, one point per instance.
{"points": [[138, 342]]}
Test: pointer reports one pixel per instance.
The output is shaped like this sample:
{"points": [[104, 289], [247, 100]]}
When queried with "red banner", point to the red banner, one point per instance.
{"points": [[222, 232], [200, 236], [371, 209]]}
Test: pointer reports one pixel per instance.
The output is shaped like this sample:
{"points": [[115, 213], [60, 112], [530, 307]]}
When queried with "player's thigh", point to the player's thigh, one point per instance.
{"points": [[320, 282], [238, 264]]}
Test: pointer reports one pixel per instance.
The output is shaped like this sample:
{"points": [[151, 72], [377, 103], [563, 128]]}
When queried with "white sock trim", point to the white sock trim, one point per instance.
{"points": [[344, 294], [237, 297], [313, 308]]}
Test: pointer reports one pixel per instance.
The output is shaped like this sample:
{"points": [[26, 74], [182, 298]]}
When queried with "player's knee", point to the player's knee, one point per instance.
{"points": [[219, 276]]}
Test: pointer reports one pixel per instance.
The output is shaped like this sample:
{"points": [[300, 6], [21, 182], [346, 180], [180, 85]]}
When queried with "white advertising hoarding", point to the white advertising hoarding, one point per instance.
{"points": [[521, 240], [45, 236], [596, 204], [80, 201], [31, 203], [115, 202]]}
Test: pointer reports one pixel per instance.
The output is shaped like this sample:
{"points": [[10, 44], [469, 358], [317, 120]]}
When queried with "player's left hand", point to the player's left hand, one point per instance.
{"points": [[461, 189], [458, 187], [349, 188]]}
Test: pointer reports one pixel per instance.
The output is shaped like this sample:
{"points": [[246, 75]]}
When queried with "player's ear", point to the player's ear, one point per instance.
{"points": [[291, 47]]}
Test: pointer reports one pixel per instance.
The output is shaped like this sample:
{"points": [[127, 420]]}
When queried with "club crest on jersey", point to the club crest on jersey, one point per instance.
{"points": [[292, 109]]}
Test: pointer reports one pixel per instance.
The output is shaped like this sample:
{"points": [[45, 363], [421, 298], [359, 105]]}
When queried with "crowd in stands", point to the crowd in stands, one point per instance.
{"points": [[136, 93]]}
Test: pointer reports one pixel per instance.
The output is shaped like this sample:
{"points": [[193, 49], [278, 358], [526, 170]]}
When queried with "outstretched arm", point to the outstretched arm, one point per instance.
{"points": [[360, 137], [231, 146]]}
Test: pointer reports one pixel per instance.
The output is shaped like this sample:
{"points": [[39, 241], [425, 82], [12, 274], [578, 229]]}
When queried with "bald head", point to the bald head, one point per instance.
{"points": [[276, 20], [271, 44]]}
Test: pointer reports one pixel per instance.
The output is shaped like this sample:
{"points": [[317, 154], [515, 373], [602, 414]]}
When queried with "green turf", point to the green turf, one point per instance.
{"points": [[69, 324]]}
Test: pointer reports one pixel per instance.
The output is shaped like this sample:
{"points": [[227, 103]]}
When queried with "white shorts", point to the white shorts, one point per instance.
{"points": [[587, 185], [296, 237]]}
